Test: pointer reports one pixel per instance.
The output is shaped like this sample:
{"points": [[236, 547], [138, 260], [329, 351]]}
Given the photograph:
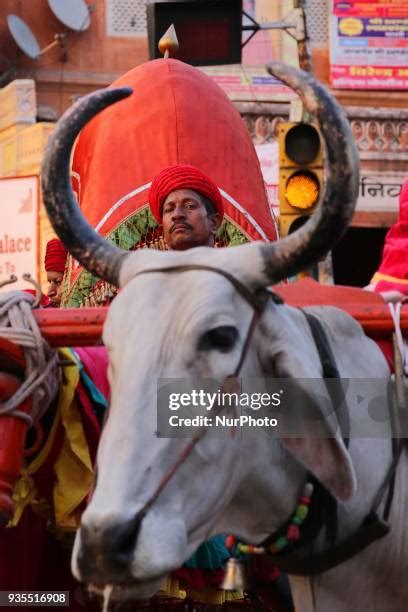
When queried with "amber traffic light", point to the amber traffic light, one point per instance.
{"points": [[300, 174]]}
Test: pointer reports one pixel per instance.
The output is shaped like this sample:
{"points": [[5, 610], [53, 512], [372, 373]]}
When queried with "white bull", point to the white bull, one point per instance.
{"points": [[193, 324]]}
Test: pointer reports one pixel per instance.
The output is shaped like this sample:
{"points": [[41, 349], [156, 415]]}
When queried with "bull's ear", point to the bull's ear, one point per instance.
{"points": [[328, 460], [287, 352]]}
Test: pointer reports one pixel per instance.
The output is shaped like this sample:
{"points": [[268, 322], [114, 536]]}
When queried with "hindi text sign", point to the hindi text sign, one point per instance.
{"points": [[369, 44]]}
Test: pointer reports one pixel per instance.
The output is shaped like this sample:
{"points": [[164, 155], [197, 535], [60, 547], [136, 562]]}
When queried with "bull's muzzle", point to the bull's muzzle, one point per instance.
{"points": [[105, 553]]}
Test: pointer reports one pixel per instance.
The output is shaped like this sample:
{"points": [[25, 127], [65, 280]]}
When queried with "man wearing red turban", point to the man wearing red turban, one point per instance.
{"points": [[54, 262], [189, 206]]}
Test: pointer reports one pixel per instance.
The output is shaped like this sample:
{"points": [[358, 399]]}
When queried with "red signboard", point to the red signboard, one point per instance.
{"points": [[369, 44]]}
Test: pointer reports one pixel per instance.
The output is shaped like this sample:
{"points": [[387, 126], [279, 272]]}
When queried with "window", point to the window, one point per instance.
{"points": [[126, 18]]}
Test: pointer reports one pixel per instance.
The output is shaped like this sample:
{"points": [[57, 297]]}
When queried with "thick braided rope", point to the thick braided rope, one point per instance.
{"points": [[42, 374]]}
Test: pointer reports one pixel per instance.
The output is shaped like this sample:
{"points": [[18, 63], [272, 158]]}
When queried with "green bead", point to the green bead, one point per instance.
{"points": [[297, 520], [302, 511], [281, 543]]}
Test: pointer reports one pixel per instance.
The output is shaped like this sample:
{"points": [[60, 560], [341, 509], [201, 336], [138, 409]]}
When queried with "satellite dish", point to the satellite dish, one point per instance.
{"points": [[27, 42], [23, 36], [72, 13]]}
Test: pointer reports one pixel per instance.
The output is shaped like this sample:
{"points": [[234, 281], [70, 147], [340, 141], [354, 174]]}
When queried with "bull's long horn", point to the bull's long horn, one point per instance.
{"points": [[314, 239], [85, 245]]}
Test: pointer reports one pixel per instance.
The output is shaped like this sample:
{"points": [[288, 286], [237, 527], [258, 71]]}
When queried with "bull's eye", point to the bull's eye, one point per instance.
{"points": [[220, 338]]}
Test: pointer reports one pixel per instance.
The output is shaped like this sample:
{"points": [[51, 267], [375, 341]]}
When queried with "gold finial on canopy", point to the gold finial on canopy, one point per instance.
{"points": [[168, 44]]}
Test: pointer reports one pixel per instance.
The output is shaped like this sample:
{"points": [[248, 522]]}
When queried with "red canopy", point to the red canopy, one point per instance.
{"points": [[176, 115]]}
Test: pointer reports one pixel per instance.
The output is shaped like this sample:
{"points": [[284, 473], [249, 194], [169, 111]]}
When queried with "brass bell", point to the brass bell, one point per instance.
{"points": [[234, 579]]}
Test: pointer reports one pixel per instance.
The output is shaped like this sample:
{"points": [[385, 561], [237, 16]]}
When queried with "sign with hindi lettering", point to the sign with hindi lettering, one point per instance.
{"points": [[369, 44], [379, 191], [18, 229], [251, 83]]}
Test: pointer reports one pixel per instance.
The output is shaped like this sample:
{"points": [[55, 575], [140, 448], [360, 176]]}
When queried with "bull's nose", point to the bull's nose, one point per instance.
{"points": [[107, 548]]}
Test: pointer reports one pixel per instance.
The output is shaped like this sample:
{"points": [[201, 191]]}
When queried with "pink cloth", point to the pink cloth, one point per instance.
{"points": [[95, 360]]}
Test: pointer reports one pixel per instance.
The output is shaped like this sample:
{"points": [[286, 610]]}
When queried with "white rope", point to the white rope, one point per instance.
{"points": [[42, 373], [395, 310]]}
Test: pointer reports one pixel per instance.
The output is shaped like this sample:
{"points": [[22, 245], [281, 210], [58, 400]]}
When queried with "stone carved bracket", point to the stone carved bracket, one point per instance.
{"points": [[381, 135], [380, 131]]}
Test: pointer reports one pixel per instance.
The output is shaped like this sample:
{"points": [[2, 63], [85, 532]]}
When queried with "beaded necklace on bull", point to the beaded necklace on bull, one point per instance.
{"points": [[234, 578]]}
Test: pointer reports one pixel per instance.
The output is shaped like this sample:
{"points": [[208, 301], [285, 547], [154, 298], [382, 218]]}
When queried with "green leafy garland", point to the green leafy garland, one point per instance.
{"points": [[139, 230]]}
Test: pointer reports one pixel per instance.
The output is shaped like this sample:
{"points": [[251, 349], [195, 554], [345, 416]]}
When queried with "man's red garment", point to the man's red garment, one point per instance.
{"points": [[392, 275]]}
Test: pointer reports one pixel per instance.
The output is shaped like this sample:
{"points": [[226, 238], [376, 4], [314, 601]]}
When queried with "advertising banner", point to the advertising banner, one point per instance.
{"points": [[19, 229], [369, 44], [249, 83]]}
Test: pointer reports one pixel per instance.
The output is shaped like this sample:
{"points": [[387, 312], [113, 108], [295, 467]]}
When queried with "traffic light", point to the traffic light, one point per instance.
{"points": [[300, 174]]}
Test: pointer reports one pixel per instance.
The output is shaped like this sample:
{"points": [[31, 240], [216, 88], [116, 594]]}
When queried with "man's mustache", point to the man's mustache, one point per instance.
{"points": [[176, 225]]}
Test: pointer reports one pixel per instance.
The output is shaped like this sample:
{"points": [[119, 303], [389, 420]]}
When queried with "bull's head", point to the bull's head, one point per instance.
{"points": [[192, 324]]}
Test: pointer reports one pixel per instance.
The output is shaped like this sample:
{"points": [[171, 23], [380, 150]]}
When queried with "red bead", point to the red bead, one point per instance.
{"points": [[229, 542], [293, 532], [304, 500]]}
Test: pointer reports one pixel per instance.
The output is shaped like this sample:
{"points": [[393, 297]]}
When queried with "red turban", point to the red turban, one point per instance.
{"points": [[182, 177], [392, 275], [55, 256]]}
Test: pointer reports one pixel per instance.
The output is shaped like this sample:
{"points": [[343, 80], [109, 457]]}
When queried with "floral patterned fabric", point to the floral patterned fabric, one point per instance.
{"points": [[138, 231]]}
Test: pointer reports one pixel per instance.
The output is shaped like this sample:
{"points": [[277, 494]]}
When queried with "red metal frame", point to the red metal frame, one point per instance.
{"points": [[83, 327], [12, 439], [366, 307]]}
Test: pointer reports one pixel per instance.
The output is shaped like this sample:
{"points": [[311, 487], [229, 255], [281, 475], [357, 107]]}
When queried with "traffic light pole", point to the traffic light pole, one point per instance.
{"points": [[294, 24], [305, 59]]}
